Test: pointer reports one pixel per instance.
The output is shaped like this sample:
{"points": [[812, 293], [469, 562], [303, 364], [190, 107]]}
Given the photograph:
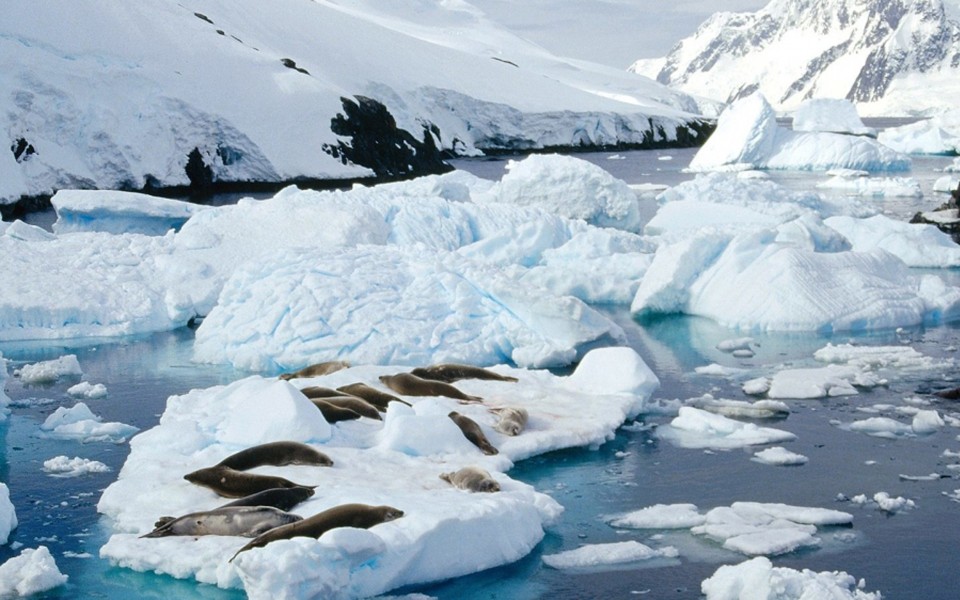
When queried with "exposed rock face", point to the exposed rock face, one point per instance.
{"points": [[378, 144], [793, 50]]}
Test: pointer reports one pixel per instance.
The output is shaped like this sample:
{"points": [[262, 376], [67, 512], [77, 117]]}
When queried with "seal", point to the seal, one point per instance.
{"points": [[471, 430], [276, 454], [282, 498], [450, 372], [949, 394], [411, 385], [316, 391], [472, 479], [376, 397], [324, 368], [231, 483], [246, 521], [363, 516], [357, 405], [332, 413], [512, 420]]}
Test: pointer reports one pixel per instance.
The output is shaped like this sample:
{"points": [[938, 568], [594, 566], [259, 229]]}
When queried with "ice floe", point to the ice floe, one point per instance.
{"points": [[395, 462], [758, 578], [696, 428], [80, 424], [873, 186], [119, 212], [779, 456], [33, 571], [87, 390], [593, 556], [8, 514], [885, 502], [749, 137], [923, 137], [49, 371], [660, 516], [832, 115], [64, 466]]}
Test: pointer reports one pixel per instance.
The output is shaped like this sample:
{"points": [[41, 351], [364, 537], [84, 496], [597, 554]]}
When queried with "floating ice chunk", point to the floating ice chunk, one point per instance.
{"points": [[741, 343], [718, 370], [49, 371], [756, 387], [947, 183], [926, 422], [4, 398], [572, 188], [8, 515], [916, 244], [758, 578], [886, 187], [119, 212], [62, 466], [696, 428], [392, 305], [779, 456], [885, 502], [31, 572], [900, 358], [883, 427], [87, 390], [828, 381], [832, 115], [761, 409], [661, 516], [748, 137], [603, 555], [79, 423], [923, 137]]}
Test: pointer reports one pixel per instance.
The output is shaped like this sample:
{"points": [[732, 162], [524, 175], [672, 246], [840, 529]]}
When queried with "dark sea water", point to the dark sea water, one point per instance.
{"points": [[908, 555]]}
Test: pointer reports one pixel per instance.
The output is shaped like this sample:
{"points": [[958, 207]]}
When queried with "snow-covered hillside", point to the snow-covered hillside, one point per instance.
{"points": [[891, 57], [153, 93]]}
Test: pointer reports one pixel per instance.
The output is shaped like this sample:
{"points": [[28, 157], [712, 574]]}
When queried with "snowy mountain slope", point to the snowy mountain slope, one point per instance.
{"points": [[891, 57], [114, 95]]}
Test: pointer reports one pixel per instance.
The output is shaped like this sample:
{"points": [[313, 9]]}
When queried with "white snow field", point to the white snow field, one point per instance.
{"points": [[394, 462], [116, 99]]}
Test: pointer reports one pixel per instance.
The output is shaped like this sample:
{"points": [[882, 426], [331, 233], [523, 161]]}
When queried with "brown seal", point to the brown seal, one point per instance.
{"points": [[324, 368], [276, 454], [246, 521], [231, 483], [333, 413], [472, 479], [316, 391], [376, 397], [357, 405], [512, 420], [471, 430], [450, 372], [282, 498], [362, 516], [411, 385]]}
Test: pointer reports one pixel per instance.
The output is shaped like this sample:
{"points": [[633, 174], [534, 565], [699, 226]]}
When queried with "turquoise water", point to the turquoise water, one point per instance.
{"points": [[908, 555]]}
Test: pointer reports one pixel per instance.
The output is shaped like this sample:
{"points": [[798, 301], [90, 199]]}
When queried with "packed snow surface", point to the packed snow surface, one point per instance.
{"points": [[394, 462], [758, 579]]}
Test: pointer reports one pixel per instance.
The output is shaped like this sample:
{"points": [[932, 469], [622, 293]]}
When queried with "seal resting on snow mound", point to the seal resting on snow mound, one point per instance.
{"points": [[471, 430], [472, 479], [363, 516], [324, 368], [232, 483], [376, 397], [512, 420], [450, 372], [282, 498], [245, 521], [276, 454], [411, 385]]}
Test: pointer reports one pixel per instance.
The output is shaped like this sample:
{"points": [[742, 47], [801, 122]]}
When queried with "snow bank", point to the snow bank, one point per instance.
{"points": [[748, 137], [605, 555], [8, 515], [396, 462], [119, 212], [832, 115], [696, 428], [758, 578], [49, 371], [79, 423], [31, 572], [63, 466]]}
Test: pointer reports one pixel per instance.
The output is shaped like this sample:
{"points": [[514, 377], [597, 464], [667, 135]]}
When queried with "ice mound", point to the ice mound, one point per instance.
{"points": [[49, 371], [885, 502], [748, 137], [79, 423], [32, 572], [709, 274], [572, 188], [779, 456], [63, 466], [832, 115], [396, 462], [758, 578], [87, 390], [391, 305], [696, 428], [119, 212], [917, 245], [823, 382], [661, 516], [923, 137], [925, 422], [8, 515], [605, 555]]}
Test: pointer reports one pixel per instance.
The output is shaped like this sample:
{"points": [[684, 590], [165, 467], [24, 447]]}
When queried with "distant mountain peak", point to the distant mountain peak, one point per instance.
{"points": [[888, 56]]}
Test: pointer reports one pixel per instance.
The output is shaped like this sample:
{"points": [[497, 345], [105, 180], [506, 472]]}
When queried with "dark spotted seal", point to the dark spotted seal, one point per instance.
{"points": [[231, 483], [324, 368], [316, 391], [362, 516], [276, 454], [333, 413], [246, 521], [450, 372], [357, 405], [472, 479], [411, 385], [471, 430]]}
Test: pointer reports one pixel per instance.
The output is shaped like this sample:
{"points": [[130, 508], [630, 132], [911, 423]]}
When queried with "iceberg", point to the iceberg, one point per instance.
{"points": [[831, 115], [917, 245], [33, 571], [119, 212], [748, 137], [936, 135]]}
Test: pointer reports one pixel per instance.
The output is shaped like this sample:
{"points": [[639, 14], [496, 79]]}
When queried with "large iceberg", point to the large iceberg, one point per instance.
{"points": [[831, 115], [395, 462], [749, 137]]}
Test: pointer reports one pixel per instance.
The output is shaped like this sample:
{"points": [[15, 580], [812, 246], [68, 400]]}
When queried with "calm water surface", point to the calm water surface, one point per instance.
{"points": [[908, 555]]}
